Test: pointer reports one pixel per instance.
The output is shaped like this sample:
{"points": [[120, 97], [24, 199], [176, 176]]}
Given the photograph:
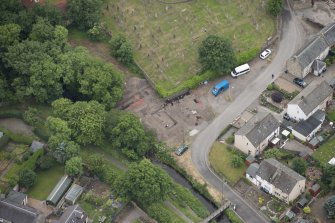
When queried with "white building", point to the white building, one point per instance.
{"points": [[277, 179], [316, 96], [254, 136]]}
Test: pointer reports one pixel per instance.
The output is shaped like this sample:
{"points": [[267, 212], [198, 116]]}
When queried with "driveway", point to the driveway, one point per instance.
{"points": [[295, 146], [289, 42]]}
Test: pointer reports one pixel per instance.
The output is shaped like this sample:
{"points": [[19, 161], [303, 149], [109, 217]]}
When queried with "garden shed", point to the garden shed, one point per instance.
{"points": [[249, 160], [315, 189], [73, 194], [302, 202], [36, 145], [59, 190]]}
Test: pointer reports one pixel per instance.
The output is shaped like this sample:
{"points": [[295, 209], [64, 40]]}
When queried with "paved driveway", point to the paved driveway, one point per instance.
{"points": [[295, 146], [289, 42]]}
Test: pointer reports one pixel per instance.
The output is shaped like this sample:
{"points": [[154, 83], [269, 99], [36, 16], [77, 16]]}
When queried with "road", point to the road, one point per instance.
{"points": [[290, 40]]}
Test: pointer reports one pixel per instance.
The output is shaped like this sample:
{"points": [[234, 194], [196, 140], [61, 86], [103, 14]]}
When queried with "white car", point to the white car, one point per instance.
{"points": [[265, 54]]}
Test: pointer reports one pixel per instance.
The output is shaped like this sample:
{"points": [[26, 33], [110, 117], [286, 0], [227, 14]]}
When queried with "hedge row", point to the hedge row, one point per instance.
{"points": [[19, 138], [233, 218]]}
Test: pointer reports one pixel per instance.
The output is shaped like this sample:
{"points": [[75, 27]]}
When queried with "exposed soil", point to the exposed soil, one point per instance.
{"points": [[319, 212], [16, 126]]}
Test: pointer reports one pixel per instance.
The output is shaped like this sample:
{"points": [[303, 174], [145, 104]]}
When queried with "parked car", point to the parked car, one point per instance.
{"points": [[300, 82], [265, 54], [181, 150], [286, 117]]}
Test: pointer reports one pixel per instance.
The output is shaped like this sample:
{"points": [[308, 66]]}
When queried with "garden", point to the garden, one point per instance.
{"points": [[325, 152]]}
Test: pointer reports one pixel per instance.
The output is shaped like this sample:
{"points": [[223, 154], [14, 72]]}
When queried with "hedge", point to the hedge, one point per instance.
{"points": [[11, 113], [19, 138], [3, 141], [233, 218], [159, 213]]}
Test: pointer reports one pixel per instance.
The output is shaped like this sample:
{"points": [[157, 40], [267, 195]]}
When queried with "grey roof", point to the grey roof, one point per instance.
{"points": [[314, 141], [73, 214], [278, 175], [74, 193], [306, 127], [17, 213], [312, 50], [259, 128], [303, 201], [250, 159], [16, 197], [59, 190], [318, 65], [303, 154], [252, 169], [311, 97], [329, 33], [36, 145], [315, 187], [319, 115]]}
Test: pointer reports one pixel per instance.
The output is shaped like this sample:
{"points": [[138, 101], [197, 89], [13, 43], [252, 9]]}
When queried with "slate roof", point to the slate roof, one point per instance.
{"points": [[319, 115], [17, 213], [311, 97], [74, 193], [59, 190], [16, 197], [329, 33], [36, 145], [307, 126], [252, 169], [318, 65], [259, 128], [278, 175], [73, 214], [315, 187]]}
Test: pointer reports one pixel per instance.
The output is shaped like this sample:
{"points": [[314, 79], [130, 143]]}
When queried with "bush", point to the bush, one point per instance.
{"points": [[159, 213], [277, 97], [230, 140], [45, 162], [27, 178], [122, 49], [98, 32], [233, 218], [270, 87], [236, 161], [31, 116]]}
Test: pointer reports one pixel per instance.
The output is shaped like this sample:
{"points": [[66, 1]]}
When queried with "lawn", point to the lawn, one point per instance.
{"points": [[331, 115], [326, 151], [165, 37], [46, 181], [220, 158]]}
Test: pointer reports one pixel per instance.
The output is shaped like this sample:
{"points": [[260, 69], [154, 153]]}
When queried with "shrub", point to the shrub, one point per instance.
{"points": [[98, 32], [27, 178], [232, 216], [122, 49], [230, 140], [158, 212], [45, 162], [274, 7], [236, 161], [277, 97], [270, 87], [31, 116]]}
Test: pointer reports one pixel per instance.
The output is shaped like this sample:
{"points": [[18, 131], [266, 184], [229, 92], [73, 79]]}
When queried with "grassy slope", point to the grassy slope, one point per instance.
{"points": [[325, 152], [220, 158], [46, 180], [170, 61]]}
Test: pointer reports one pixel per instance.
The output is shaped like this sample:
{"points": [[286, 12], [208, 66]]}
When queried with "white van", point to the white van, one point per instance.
{"points": [[240, 70]]}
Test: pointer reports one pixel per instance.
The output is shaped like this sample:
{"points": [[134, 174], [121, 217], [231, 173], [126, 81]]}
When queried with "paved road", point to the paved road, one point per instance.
{"points": [[289, 42]]}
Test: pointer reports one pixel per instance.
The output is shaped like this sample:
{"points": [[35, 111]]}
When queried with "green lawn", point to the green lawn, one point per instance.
{"points": [[46, 181], [165, 37], [326, 151], [331, 115], [220, 158]]}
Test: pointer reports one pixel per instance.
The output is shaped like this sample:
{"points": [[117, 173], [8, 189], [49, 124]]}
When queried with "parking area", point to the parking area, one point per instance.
{"points": [[295, 146]]}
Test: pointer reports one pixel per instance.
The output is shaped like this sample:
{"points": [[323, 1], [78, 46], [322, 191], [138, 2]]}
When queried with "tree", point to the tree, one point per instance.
{"points": [[328, 176], [299, 165], [130, 137], [84, 13], [330, 207], [95, 164], [31, 116], [9, 35], [236, 161], [64, 150], [45, 162], [27, 178], [274, 7], [42, 31], [144, 182], [217, 54], [58, 126], [121, 49], [74, 166]]}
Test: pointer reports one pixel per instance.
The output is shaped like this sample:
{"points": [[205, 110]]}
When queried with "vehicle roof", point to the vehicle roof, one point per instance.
{"points": [[222, 84], [242, 67]]}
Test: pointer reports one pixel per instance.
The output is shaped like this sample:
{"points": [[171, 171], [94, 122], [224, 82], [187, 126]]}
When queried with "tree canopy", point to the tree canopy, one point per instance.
{"points": [[274, 7], [299, 165], [217, 54], [27, 178], [74, 166], [121, 49], [144, 182]]}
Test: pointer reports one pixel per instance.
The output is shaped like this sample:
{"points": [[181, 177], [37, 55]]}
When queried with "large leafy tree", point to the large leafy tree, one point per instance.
{"points": [[129, 136], [299, 165], [144, 182], [84, 13], [217, 54], [85, 119], [74, 166], [27, 178], [9, 35], [121, 49]]}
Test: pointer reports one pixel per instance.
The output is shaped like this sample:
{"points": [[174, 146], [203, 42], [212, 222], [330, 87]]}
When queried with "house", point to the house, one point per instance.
{"points": [[306, 130], [277, 179], [316, 96], [36, 145], [73, 214], [251, 172], [17, 213], [255, 135], [59, 190], [315, 189], [73, 194], [306, 59], [17, 197]]}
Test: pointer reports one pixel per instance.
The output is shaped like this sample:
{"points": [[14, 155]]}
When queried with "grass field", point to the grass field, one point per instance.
{"points": [[325, 152], [220, 158], [46, 181], [166, 37]]}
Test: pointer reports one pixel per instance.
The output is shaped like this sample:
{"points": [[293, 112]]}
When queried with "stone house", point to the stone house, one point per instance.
{"points": [[315, 50], [255, 135], [316, 96], [277, 179]]}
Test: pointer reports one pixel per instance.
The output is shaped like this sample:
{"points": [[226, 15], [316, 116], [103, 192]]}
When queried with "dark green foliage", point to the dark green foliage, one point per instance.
{"points": [[236, 161], [121, 49], [233, 218], [98, 32], [328, 176], [230, 140], [299, 165], [217, 54], [30, 116], [144, 182], [94, 163], [74, 166], [275, 153], [84, 13], [274, 7], [330, 207], [3, 141], [27, 178], [45, 162], [158, 212], [19, 138]]}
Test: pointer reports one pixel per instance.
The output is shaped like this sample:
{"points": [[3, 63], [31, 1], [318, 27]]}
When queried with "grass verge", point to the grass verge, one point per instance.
{"points": [[220, 158]]}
